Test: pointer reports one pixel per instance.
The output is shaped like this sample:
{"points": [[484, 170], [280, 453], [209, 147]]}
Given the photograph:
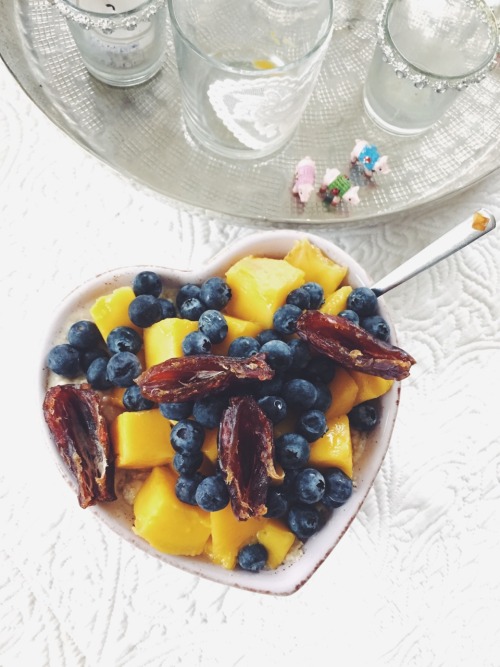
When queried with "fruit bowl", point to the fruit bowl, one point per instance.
{"points": [[301, 563]]}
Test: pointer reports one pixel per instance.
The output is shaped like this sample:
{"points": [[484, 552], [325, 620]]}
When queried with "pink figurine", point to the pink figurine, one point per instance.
{"points": [[369, 158], [305, 176], [336, 187]]}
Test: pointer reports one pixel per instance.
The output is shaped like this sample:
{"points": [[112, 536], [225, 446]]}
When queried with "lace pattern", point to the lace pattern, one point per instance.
{"points": [[128, 20]]}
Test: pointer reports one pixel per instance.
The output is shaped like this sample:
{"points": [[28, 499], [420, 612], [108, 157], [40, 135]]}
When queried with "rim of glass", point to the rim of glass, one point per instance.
{"points": [[252, 73], [128, 19], [420, 77]]}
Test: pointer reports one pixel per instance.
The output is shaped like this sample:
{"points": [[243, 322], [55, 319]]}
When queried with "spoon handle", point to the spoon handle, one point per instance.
{"points": [[479, 223]]}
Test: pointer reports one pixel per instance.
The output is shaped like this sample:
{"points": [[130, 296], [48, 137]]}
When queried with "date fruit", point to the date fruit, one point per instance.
{"points": [[183, 379], [246, 456], [80, 433], [352, 346]]}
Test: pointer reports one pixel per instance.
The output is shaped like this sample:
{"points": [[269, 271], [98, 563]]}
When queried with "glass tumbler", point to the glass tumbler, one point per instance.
{"points": [[247, 69], [122, 42], [427, 52]]}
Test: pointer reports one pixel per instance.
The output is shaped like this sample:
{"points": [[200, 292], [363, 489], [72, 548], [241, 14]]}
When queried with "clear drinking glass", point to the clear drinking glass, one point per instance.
{"points": [[247, 69], [427, 52], [122, 42]]}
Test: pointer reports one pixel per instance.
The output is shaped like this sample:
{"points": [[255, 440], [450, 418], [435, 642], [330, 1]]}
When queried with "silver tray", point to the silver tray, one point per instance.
{"points": [[140, 133]]}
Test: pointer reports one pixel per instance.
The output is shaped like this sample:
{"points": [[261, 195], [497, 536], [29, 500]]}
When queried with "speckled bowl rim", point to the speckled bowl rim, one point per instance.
{"points": [[289, 577]]}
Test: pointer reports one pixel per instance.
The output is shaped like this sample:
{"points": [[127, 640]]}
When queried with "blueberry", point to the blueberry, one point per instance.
{"points": [[292, 450], [299, 393], [88, 356], [376, 326], [299, 297], [278, 354], [64, 360], [213, 325], [301, 354], [243, 346], [276, 503], [208, 411], [97, 374], [191, 309], [187, 463], [212, 494], [268, 335], [303, 521], [320, 369], [316, 294], [134, 401], [189, 291], [324, 397], [274, 407], [350, 315], [123, 339], [147, 282], [185, 488], [272, 387], [144, 310], [338, 488], [187, 436], [285, 318], [84, 335], [309, 486], [252, 557], [362, 300], [288, 486], [312, 425], [123, 367], [364, 416], [167, 308], [176, 411], [196, 343], [215, 293]]}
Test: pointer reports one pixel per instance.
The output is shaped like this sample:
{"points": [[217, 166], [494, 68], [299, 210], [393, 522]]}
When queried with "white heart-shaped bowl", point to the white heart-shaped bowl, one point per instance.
{"points": [[292, 575]]}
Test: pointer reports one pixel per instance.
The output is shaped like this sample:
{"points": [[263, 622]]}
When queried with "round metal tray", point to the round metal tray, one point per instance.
{"points": [[140, 133]]}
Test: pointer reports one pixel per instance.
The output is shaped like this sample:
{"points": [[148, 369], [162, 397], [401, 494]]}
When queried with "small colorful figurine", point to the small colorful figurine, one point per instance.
{"points": [[369, 158], [305, 176], [336, 187]]}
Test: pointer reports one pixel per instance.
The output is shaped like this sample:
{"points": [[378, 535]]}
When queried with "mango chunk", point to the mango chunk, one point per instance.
{"points": [[334, 449], [209, 451], [209, 447], [163, 340], [235, 329], [141, 439], [369, 386], [277, 539], [316, 266], [164, 521], [111, 310], [229, 535], [337, 301], [259, 286], [207, 549], [344, 391]]}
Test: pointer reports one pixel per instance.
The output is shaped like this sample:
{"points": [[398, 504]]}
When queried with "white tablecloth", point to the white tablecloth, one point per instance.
{"points": [[414, 582]]}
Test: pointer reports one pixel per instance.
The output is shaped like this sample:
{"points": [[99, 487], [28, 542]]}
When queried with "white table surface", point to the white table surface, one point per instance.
{"points": [[414, 582]]}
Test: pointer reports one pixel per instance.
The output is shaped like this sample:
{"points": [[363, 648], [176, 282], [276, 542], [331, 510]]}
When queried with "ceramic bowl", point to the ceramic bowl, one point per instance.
{"points": [[292, 575]]}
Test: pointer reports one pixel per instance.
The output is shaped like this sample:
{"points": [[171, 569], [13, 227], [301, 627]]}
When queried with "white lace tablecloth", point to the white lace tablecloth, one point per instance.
{"points": [[414, 582]]}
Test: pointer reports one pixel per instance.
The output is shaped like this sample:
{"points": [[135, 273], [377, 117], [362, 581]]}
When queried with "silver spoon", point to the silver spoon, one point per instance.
{"points": [[478, 224]]}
